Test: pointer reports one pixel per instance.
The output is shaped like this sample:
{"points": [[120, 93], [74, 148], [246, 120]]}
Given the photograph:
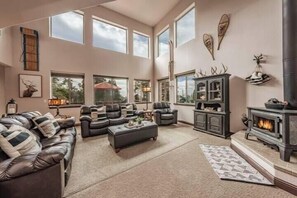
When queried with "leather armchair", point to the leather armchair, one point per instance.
{"points": [[163, 114]]}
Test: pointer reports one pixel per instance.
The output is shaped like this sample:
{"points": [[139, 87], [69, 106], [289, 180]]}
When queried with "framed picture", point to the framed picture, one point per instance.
{"points": [[30, 86]]}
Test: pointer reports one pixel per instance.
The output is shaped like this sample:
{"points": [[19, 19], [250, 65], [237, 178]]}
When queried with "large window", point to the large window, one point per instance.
{"points": [[163, 45], [140, 45], [185, 88], [139, 95], [164, 90], [108, 36], [110, 90], [68, 87], [185, 27], [68, 26]]}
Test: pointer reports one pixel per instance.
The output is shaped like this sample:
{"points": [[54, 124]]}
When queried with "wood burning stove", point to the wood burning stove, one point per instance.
{"points": [[266, 123], [275, 127]]}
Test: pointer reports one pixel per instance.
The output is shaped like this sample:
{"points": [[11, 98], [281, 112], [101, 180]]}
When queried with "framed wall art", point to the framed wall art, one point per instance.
{"points": [[30, 86]]}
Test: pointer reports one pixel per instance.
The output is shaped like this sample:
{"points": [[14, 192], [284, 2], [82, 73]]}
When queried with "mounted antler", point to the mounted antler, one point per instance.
{"points": [[214, 70], [225, 69], [201, 73]]}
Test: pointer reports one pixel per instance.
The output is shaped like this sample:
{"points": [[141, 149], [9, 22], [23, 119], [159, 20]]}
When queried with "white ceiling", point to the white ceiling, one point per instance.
{"points": [[14, 12], [149, 12]]}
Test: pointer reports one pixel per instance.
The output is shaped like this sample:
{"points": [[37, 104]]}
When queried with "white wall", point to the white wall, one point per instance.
{"points": [[255, 27], [63, 56], [2, 91], [6, 46]]}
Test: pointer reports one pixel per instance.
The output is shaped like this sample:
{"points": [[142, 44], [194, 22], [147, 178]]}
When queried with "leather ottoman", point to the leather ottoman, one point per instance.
{"points": [[120, 136]]}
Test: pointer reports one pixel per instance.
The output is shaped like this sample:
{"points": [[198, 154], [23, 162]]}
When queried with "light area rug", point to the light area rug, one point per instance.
{"points": [[228, 165], [94, 159]]}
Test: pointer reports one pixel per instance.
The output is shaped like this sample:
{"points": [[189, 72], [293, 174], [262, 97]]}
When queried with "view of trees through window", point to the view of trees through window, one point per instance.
{"points": [[185, 89], [139, 95], [164, 90], [110, 90], [68, 87]]}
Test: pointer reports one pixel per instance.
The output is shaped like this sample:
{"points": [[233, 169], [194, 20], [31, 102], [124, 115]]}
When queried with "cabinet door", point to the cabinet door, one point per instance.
{"points": [[201, 90], [200, 120], [215, 90], [215, 123]]}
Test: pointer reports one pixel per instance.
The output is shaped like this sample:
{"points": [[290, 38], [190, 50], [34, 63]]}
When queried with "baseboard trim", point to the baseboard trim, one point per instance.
{"points": [[181, 121], [277, 181]]}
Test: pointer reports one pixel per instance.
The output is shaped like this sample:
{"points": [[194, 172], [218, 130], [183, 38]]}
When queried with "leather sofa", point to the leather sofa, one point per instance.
{"points": [[163, 114], [93, 127], [44, 174]]}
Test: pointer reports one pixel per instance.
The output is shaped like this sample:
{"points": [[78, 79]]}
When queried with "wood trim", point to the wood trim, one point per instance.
{"points": [[185, 73], [164, 78], [185, 122], [184, 104], [278, 182]]}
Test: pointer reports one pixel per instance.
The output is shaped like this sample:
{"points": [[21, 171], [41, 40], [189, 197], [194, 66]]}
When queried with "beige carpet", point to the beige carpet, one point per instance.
{"points": [[95, 160], [182, 172]]}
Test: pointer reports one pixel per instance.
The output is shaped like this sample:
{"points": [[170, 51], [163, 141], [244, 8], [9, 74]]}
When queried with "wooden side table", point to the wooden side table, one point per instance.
{"points": [[148, 115]]}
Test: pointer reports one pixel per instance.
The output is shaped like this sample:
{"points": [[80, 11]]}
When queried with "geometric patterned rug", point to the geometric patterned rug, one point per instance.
{"points": [[228, 165]]}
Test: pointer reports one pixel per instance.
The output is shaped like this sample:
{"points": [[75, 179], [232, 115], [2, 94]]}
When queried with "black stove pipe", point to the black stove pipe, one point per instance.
{"points": [[290, 52]]}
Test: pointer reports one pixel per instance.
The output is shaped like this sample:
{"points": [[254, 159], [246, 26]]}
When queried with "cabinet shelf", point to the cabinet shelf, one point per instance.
{"points": [[215, 96]]}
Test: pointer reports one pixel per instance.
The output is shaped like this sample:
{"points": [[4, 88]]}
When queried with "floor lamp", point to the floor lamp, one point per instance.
{"points": [[146, 90]]}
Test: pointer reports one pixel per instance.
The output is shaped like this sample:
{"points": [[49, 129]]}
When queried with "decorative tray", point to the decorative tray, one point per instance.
{"points": [[133, 126], [279, 106]]}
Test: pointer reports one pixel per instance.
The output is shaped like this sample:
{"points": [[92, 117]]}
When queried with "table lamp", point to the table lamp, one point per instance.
{"points": [[55, 102]]}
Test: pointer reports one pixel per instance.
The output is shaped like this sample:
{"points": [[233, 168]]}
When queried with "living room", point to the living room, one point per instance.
{"points": [[141, 53]]}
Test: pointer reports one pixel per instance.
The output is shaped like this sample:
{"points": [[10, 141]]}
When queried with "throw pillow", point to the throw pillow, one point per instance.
{"points": [[129, 109], [98, 113], [15, 127], [16, 143], [45, 126], [2, 128], [54, 121]]}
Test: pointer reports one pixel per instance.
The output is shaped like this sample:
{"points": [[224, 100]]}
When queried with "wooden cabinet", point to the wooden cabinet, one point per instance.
{"points": [[211, 113]]}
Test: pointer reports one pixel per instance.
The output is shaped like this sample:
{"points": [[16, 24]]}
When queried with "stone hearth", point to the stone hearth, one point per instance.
{"points": [[266, 160]]}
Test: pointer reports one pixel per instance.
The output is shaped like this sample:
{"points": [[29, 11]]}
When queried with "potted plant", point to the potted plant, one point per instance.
{"points": [[139, 119]]}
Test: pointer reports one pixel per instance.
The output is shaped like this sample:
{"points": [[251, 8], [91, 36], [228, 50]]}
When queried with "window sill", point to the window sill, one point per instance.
{"points": [[142, 102], [66, 106], [184, 104]]}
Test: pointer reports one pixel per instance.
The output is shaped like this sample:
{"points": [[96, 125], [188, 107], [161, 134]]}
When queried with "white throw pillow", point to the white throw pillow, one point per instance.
{"points": [[54, 121], [18, 142], [45, 126]]}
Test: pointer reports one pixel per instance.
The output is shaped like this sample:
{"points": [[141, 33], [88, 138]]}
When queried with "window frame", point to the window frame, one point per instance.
{"points": [[111, 77], [79, 12], [148, 43], [158, 43], [180, 16], [187, 73], [68, 75], [150, 93], [112, 24], [159, 89]]}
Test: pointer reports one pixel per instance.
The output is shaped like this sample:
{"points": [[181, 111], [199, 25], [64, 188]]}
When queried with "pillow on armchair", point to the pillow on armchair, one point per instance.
{"points": [[98, 113]]}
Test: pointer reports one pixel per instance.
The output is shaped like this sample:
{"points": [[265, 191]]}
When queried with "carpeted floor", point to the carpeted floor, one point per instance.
{"points": [[95, 160], [149, 170]]}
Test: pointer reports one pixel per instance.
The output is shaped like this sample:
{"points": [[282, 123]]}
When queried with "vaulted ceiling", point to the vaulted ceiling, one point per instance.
{"points": [[149, 12], [13, 12]]}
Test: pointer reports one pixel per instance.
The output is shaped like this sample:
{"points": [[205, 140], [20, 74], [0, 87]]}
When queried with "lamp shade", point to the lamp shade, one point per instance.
{"points": [[56, 102], [146, 89]]}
